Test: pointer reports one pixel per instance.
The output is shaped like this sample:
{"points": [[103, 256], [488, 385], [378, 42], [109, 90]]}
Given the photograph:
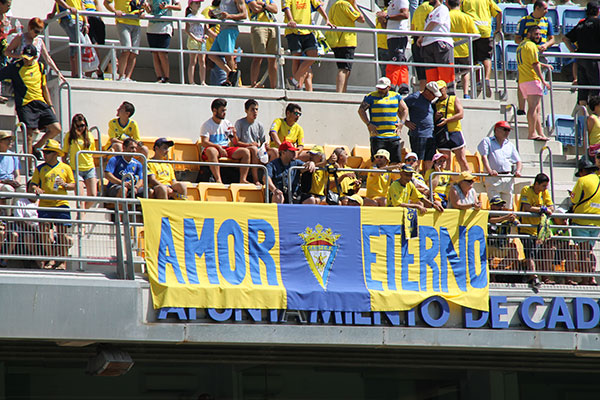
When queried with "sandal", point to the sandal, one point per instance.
{"points": [[49, 265], [61, 266]]}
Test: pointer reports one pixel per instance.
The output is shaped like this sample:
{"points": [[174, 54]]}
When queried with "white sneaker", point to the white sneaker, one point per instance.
{"points": [[122, 78]]}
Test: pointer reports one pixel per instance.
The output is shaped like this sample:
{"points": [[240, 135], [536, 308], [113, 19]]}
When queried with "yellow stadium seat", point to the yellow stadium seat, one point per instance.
{"points": [[362, 151], [149, 143], [141, 240], [185, 150], [210, 191], [329, 148], [193, 193], [474, 163], [355, 161], [484, 200], [247, 193]]}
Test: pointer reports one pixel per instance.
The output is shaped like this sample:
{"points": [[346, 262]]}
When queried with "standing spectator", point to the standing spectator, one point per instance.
{"points": [[124, 127], [196, 41], [216, 135], [54, 177], [74, 27], [397, 19], [97, 31], [462, 195], [32, 98], [344, 13], [586, 34], [251, 134], [378, 183], [482, 12], [286, 130], [301, 41], [438, 49], [118, 167], [534, 199], [80, 138], [129, 33], [387, 116], [9, 166], [499, 157], [403, 193], [234, 10], [279, 183], [159, 35], [35, 27], [536, 18], [448, 130], [418, 24], [531, 81], [263, 39], [420, 124], [382, 47], [161, 176], [461, 23], [593, 126]]}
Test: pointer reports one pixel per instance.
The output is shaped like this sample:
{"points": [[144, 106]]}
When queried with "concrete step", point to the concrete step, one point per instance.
{"points": [[527, 146]]}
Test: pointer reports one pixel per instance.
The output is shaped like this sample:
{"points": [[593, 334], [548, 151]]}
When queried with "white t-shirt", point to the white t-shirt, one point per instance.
{"points": [[217, 133], [440, 15], [394, 8]]}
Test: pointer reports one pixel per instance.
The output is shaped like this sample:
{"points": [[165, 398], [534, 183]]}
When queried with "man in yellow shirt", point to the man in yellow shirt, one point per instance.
{"points": [[378, 183], [531, 81], [124, 127], [344, 13], [403, 193], [461, 23], [161, 177], [129, 33], [286, 130]]}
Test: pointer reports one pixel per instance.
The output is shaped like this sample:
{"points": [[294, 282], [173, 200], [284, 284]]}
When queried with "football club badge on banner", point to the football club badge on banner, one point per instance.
{"points": [[320, 249]]}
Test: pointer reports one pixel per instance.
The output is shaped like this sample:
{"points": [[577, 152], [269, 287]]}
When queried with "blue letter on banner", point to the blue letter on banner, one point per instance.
{"points": [[427, 257], [166, 244], [476, 235], [231, 228], [390, 232], [260, 251], [369, 256], [448, 255], [407, 259], [197, 248]]}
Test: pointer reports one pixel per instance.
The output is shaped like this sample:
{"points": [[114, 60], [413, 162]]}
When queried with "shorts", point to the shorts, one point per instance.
{"points": [[72, 29], [263, 39], [193, 44], [462, 61], [225, 41], [158, 40], [97, 31], [450, 141], [344, 52], [482, 49], [229, 149], [397, 48], [58, 214], [531, 88], [424, 147], [391, 144], [89, 174], [418, 58], [590, 233], [530, 249], [129, 36], [438, 52], [113, 190], [36, 115], [301, 43]]}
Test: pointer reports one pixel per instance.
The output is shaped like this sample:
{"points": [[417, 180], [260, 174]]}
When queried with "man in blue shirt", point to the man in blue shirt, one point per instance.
{"points": [[118, 167], [278, 173], [420, 125]]}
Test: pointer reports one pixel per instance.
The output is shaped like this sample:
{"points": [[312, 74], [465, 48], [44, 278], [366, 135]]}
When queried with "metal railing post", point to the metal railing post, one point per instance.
{"points": [[551, 168], [376, 54], [280, 60], [79, 48], [181, 57], [579, 109], [472, 71]]}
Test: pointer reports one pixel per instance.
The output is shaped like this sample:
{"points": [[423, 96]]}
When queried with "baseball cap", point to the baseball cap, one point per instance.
{"points": [[413, 155], [407, 168], [437, 156], [356, 198], [497, 200], [584, 163], [5, 134], [162, 140], [287, 146], [52, 145], [384, 153], [433, 88], [441, 84], [466, 176], [317, 150], [29, 52], [502, 124], [383, 83]]}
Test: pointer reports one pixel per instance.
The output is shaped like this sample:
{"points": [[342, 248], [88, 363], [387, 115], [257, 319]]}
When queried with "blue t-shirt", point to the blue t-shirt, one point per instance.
{"points": [[279, 175], [119, 167], [420, 111], [8, 166]]}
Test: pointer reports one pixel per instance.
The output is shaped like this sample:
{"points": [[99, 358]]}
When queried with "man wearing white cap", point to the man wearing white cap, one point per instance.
{"points": [[387, 115]]}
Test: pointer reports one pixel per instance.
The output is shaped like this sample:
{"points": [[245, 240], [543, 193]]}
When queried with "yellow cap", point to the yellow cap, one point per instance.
{"points": [[52, 145], [441, 84]]}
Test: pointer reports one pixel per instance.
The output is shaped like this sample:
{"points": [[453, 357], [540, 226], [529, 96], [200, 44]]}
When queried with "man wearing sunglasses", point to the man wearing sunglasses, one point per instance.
{"points": [[287, 130], [500, 157]]}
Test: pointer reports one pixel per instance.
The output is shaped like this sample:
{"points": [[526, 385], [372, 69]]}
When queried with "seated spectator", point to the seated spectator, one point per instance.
{"points": [[286, 130], [448, 130], [403, 193], [161, 176], [378, 183], [9, 167], [216, 137], [440, 184], [316, 181], [418, 180], [564, 254], [117, 168], [347, 181], [499, 245], [354, 200], [80, 138], [251, 134], [124, 127], [279, 183], [462, 195], [28, 236], [54, 177], [534, 199], [593, 126]]}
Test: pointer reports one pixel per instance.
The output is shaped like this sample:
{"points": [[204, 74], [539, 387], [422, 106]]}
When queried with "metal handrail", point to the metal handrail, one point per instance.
{"points": [[21, 155], [503, 95], [504, 108], [579, 109], [549, 130], [547, 148], [69, 108]]}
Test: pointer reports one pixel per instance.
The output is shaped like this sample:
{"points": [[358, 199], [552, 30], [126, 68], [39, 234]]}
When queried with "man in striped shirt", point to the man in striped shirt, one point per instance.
{"points": [[387, 114]]}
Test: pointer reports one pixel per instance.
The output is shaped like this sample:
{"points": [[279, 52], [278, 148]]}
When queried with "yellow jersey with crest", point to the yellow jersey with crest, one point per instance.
{"points": [[45, 176]]}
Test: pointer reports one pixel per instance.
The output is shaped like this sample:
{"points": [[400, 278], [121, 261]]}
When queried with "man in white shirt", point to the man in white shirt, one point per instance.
{"points": [[438, 49]]}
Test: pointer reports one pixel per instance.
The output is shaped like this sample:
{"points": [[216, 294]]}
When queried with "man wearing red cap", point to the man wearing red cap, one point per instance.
{"points": [[279, 183], [499, 157]]}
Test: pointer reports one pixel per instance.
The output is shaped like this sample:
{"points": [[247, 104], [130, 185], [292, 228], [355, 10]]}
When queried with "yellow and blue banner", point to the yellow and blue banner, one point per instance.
{"points": [[303, 257]]}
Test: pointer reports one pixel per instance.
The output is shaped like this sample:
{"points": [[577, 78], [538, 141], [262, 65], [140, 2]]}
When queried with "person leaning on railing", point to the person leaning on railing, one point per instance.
{"points": [[461, 22], [313, 183], [462, 195], [279, 183], [74, 27], [263, 40], [417, 23], [118, 167], [403, 193], [440, 184], [159, 35]]}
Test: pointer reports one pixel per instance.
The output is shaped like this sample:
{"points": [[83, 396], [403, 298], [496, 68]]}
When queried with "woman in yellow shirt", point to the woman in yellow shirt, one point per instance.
{"points": [[80, 138], [449, 112], [593, 126]]}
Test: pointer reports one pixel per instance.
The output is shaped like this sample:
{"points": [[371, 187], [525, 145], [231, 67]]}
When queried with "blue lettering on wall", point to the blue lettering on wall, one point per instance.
{"points": [[496, 311], [559, 313], [579, 306], [524, 312], [407, 259], [471, 322], [260, 251], [428, 318]]}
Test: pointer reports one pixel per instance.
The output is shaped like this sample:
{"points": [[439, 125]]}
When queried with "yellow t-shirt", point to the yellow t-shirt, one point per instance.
{"points": [[342, 13], [528, 196], [216, 28], [440, 106], [115, 130], [443, 186], [45, 175], [420, 15], [34, 80], [594, 134], [293, 134], [584, 188], [317, 187], [260, 16], [381, 37], [377, 185], [86, 161], [300, 10], [527, 55], [461, 23], [163, 172], [125, 6], [71, 3], [398, 194], [482, 12]]}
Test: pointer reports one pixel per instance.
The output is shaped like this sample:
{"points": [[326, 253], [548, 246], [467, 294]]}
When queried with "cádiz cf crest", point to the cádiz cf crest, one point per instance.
{"points": [[320, 249]]}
